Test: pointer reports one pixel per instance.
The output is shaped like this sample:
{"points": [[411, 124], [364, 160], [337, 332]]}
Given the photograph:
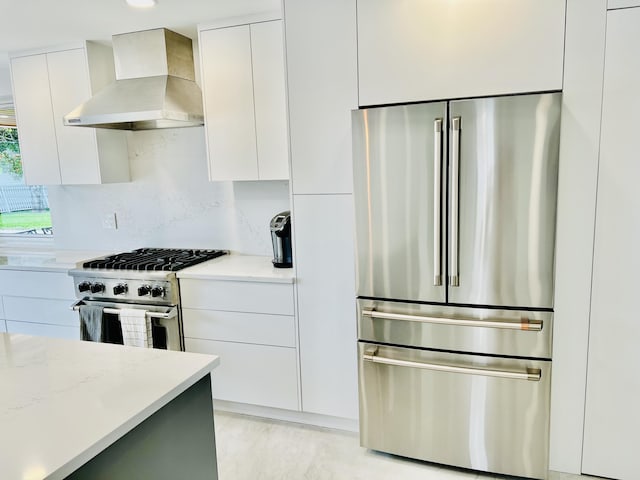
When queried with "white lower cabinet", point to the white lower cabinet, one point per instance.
{"points": [[43, 330], [256, 374], [48, 317], [251, 327], [325, 278]]}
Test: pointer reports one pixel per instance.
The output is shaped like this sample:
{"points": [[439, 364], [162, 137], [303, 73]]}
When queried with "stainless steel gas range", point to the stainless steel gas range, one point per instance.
{"points": [[143, 279]]}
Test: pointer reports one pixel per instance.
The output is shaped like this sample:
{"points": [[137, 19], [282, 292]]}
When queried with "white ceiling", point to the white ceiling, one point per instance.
{"points": [[30, 24]]}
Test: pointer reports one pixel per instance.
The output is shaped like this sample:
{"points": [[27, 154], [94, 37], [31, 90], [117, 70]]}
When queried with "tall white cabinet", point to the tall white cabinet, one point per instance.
{"points": [[243, 87], [46, 86], [612, 417], [322, 88]]}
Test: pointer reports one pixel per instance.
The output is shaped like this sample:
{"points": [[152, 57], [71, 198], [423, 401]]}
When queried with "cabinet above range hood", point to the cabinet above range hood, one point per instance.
{"points": [[154, 88]]}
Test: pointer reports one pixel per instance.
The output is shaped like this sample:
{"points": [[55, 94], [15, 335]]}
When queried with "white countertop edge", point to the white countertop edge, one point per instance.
{"points": [[235, 278], [92, 451]]}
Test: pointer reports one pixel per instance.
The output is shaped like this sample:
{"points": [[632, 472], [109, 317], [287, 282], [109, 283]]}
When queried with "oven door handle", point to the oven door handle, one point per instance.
{"points": [[523, 323], [531, 374], [116, 311]]}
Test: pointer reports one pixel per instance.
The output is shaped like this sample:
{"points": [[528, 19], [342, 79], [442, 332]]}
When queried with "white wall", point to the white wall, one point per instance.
{"points": [[5, 76], [169, 202]]}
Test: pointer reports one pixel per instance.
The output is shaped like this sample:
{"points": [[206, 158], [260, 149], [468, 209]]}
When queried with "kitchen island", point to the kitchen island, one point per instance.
{"points": [[72, 409]]}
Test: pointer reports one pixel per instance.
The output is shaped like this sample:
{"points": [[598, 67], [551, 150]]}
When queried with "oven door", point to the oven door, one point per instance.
{"points": [[166, 322], [481, 412]]}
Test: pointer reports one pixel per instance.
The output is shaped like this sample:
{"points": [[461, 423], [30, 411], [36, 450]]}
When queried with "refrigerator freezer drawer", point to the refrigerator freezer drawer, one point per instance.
{"points": [[479, 330], [484, 413]]}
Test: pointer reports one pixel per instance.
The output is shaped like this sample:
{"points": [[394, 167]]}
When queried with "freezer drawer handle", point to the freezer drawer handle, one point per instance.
{"points": [[531, 374], [521, 324]]}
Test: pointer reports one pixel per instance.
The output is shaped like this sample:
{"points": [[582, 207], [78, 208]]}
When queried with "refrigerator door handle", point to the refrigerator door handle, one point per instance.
{"points": [[509, 324], [531, 374], [454, 280], [437, 200]]}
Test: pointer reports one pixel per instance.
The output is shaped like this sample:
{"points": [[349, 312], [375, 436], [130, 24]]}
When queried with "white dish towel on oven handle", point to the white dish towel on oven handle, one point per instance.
{"points": [[136, 328]]}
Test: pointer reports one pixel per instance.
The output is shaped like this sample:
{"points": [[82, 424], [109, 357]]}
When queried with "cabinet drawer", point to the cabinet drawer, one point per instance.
{"points": [[277, 330], [258, 297], [43, 330], [40, 310], [256, 374], [22, 283]]}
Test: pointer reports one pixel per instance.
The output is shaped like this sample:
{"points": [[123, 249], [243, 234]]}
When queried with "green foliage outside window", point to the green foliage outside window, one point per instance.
{"points": [[10, 161]]}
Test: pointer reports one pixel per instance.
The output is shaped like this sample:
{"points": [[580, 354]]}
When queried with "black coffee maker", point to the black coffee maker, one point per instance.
{"points": [[281, 240]]}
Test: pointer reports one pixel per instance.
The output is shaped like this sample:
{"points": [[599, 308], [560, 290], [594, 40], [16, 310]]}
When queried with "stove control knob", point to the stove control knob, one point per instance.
{"points": [[84, 286], [157, 291], [120, 289], [144, 290], [97, 287]]}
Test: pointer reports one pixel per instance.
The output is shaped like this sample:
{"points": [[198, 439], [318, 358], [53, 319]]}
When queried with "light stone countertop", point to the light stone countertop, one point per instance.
{"points": [[243, 268], [236, 267], [44, 260], [64, 401]]}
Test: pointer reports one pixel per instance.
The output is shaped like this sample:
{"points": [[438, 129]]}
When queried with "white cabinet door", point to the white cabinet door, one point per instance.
{"points": [[325, 276], [415, 50], [25, 283], [270, 102], [611, 4], [244, 102], [32, 98], [41, 310], [255, 374], [323, 87], [612, 418], [43, 330], [228, 103], [69, 81], [256, 297], [46, 87]]}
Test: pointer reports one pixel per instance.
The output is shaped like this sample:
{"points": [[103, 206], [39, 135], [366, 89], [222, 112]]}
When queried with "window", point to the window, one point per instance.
{"points": [[24, 209]]}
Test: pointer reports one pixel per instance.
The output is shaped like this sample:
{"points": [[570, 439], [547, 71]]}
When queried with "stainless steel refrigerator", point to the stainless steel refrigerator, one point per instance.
{"points": [[455, 235]]}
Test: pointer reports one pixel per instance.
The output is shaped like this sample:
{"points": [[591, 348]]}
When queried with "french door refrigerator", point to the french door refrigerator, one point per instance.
{"points": [[455, 235]]}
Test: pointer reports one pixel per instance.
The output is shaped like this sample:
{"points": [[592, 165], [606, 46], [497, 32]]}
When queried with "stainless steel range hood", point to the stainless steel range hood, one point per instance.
{"points": [[154, 88]]}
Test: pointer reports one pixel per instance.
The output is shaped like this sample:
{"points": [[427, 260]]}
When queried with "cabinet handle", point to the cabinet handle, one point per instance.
{"points": [[523, 323], [437, 199], [454, 279], [530, 374]]}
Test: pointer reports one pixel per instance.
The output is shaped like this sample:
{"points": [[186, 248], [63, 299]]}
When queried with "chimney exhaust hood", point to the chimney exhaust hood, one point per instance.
{"points": [[154, 88]]}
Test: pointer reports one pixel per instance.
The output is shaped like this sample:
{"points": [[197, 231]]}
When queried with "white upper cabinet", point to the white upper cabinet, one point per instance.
{"points": [[415, 50], [47, 86], [244, 101], [322, 83], [615, 4]]}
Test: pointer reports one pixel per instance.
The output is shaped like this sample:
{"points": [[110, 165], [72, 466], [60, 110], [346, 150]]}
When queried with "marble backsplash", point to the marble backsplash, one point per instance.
{"points": [[169, 202]]}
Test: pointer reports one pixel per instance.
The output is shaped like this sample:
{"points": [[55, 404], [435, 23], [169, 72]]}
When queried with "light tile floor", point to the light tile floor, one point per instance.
{"points": [[252, 448]]}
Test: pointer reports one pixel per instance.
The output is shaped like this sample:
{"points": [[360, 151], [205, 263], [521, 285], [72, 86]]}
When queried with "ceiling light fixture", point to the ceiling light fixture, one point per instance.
{"points": [[141, 3]]}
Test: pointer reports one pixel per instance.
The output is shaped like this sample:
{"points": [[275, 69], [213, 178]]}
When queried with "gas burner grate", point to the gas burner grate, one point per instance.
{"points": [[154, 259]]}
